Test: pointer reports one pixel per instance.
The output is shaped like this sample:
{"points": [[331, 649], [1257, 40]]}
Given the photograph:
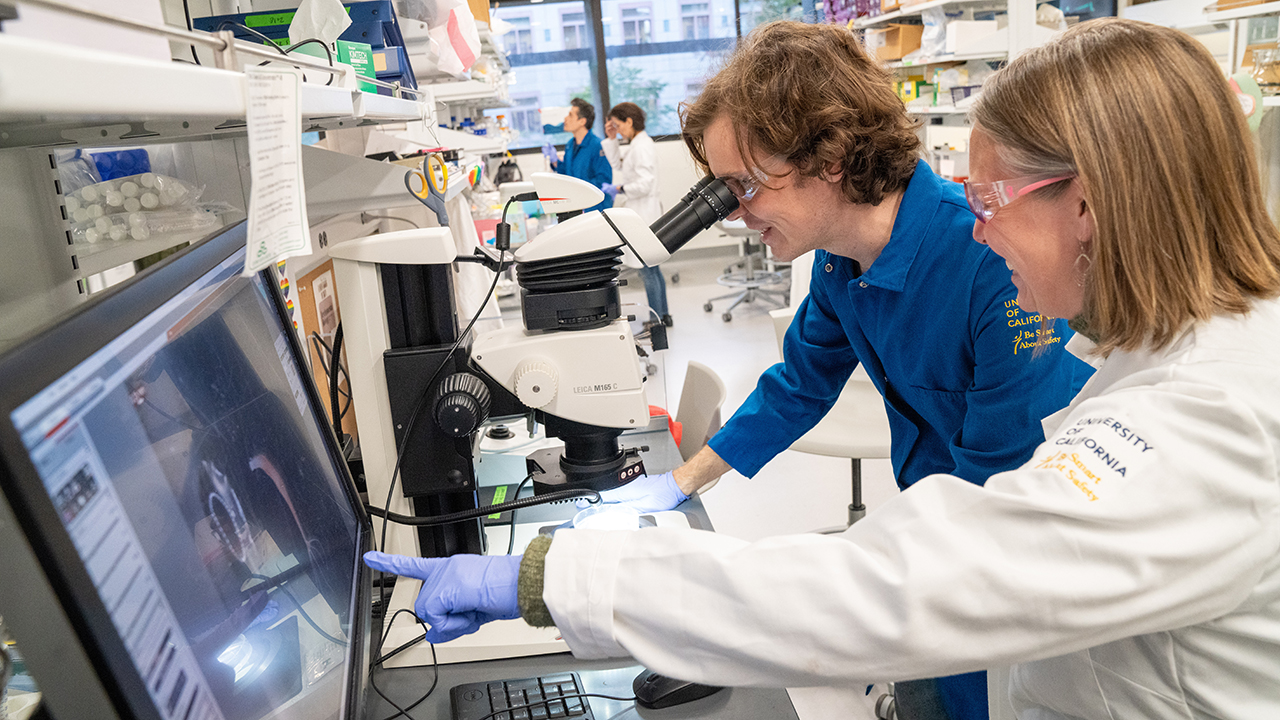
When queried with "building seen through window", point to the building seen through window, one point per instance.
{"points": [[658, 53]]}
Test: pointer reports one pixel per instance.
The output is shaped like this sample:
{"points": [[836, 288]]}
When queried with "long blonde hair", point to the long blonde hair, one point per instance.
{"points": [[1143, 116]]}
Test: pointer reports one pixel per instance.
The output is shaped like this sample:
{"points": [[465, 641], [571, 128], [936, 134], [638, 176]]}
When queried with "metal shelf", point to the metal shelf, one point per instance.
{"points": [[941, 59], [1271, 8], [107, 98], [936, 110], [482, 93], [912, 10]]}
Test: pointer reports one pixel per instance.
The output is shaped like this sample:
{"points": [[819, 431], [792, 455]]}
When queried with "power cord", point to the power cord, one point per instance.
{"points": [[186, 13], [283, 51], [378, 664], [408, 432], [511, 541], [450, 518]]}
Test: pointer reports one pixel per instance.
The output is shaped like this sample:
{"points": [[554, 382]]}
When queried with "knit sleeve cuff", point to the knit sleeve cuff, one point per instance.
{"points": [[529, 586]]}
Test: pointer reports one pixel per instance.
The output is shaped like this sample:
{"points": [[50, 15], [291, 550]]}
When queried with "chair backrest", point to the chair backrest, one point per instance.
{"points": [[782, 318], [699, 411]]}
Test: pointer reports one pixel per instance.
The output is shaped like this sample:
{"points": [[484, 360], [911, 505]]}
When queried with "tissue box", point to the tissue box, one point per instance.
{"points": [[964, 35], [894, 41]]}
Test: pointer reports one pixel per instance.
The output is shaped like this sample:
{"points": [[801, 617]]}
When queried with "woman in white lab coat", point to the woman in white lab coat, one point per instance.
{"points": [[635, 176], [1131, 569]]}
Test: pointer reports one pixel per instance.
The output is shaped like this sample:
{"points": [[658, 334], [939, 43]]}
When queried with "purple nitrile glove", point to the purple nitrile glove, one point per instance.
{"points": [[549, 151], [459, 593], [610, 189], [647, 493]]}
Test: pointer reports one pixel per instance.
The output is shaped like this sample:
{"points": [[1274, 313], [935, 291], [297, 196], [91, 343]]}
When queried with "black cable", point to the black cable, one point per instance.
{"points": [[301, 611], [408, 430], [335, 358], [480, 512], [511, 541], [283, 51], [223, 26], [186, 13], [377, 663], [508, 710]]}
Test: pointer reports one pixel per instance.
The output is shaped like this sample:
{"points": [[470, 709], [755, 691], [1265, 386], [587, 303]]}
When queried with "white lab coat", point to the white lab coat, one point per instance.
{"points": [[635, 170], [1148, 593]]}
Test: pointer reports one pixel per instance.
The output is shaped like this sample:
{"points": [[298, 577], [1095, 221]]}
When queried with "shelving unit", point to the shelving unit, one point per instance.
{"points": [[55, 96], [948, 58], [904, 12], [1271, 8]]}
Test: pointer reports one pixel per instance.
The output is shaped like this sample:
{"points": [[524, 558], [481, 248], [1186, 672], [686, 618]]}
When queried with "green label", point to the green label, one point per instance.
{"points": [[283, 18], [499, 495]]}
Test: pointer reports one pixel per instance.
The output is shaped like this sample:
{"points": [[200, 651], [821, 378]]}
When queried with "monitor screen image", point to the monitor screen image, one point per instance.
{"points": [[189, 467]]}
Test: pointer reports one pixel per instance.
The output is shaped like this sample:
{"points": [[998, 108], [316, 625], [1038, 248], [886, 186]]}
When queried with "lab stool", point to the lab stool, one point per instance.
{"points": [[749, 282]]}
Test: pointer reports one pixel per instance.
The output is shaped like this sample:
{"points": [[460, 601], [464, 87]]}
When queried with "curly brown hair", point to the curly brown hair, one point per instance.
{"points": [[812, 94]]}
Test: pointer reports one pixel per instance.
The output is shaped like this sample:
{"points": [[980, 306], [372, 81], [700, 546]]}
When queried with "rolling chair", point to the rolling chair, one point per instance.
{"points": [[699, 412], [750, 282]]}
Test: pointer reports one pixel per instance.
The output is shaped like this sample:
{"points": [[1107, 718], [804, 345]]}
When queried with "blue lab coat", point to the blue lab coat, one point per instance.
{"points": [[587, 161], [935, 322]]}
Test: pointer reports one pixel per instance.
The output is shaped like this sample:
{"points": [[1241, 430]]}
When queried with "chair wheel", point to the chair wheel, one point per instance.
{"points": [[726, 317], [675, 278], [706, 306]]}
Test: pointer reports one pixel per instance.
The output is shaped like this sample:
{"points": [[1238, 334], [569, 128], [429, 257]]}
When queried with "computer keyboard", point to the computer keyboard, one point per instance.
{"points": [[522, 699]]}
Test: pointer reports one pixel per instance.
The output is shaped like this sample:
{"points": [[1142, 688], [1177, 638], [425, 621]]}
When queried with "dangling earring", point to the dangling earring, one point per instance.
{"points": [[1082, 276]]}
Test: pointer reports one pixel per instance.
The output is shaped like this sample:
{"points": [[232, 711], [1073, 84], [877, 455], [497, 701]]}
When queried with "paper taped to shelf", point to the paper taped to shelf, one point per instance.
{"points": [[278, 226]]}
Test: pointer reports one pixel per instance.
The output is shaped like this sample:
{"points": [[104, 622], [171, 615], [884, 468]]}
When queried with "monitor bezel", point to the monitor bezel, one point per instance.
{"points": [[104, 668]]}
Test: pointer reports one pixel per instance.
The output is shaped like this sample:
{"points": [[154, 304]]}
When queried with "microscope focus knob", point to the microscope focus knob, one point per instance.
{"points": [[462, 404], [535, 383]]}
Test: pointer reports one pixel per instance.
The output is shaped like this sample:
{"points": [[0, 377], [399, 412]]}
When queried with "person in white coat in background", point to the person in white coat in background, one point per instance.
{"points": [[1131, 569], [635, 176]]}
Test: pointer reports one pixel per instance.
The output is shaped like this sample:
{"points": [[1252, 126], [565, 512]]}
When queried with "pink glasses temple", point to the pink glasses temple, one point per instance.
{"points": [[1043, 183]]}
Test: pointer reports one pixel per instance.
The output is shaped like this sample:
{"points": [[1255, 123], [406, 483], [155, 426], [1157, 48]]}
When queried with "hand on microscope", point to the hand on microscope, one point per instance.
{"points": [[459, 593], [647, 494]]}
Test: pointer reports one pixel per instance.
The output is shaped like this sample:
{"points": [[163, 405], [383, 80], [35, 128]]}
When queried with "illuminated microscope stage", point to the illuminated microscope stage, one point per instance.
{"points": [[503, 638]]}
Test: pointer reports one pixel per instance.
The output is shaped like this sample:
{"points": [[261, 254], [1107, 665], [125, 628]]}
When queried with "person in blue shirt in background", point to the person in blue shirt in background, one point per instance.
{"points": [[584, 156], [899, 285]]}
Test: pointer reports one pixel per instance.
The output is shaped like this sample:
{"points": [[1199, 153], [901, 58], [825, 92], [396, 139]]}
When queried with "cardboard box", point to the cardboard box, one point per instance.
{"points": [[318, 301], [893, 41], [480, 9], [889, 5]]}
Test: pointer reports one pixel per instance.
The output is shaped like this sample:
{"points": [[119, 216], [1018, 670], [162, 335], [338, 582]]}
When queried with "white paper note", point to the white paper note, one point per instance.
{"points": [[277, 205]]}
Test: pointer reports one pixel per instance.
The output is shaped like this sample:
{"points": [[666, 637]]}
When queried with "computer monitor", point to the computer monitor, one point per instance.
{"points": [[180, 538]]}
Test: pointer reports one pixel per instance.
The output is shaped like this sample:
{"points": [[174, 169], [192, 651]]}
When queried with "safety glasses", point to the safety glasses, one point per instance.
{"points": [[745, 187], [985, 198]]}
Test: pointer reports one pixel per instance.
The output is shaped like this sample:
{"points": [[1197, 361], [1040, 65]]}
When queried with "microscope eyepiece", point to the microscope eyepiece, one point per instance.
{"points": [[705, 204]]}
